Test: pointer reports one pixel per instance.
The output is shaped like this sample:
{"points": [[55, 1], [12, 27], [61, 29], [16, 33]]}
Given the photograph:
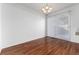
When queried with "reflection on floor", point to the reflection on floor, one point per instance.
{"points": [[43, 46]]}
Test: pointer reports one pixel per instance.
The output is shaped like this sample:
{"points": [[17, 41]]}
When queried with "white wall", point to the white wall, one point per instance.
{"points": [[0, 28], [55, 27], [58, 26], [75, 23], [20, 25], [51, 26]]}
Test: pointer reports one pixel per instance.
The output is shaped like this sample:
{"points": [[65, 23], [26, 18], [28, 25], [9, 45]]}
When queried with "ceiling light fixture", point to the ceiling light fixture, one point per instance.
{"points": [[46, 9]]}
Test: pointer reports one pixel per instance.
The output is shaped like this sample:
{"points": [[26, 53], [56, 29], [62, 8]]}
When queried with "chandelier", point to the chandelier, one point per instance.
{"points": [[46, 9]]}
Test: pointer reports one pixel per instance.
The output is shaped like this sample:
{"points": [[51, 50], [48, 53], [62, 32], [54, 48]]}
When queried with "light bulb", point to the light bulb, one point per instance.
{"points": [[46, 7], [43, 9], [50, 8], [49, 11]]}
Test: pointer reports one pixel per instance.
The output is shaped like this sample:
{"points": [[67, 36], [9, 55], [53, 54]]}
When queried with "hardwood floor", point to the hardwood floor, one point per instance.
{"points": [[44, 46]]}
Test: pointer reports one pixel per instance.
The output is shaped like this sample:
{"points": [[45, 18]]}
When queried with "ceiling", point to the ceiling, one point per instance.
{"points": [[37, 6]]}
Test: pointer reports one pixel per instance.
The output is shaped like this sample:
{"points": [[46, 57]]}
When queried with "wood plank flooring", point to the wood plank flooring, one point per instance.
{"points": [[44, 46]]}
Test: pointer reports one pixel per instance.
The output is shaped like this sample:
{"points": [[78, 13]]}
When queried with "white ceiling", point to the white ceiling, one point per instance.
{"points": [[55, 6], [38, 6]]}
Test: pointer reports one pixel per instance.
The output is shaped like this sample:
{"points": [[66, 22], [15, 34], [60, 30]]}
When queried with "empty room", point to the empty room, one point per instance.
{"points": [[39, 28]]}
